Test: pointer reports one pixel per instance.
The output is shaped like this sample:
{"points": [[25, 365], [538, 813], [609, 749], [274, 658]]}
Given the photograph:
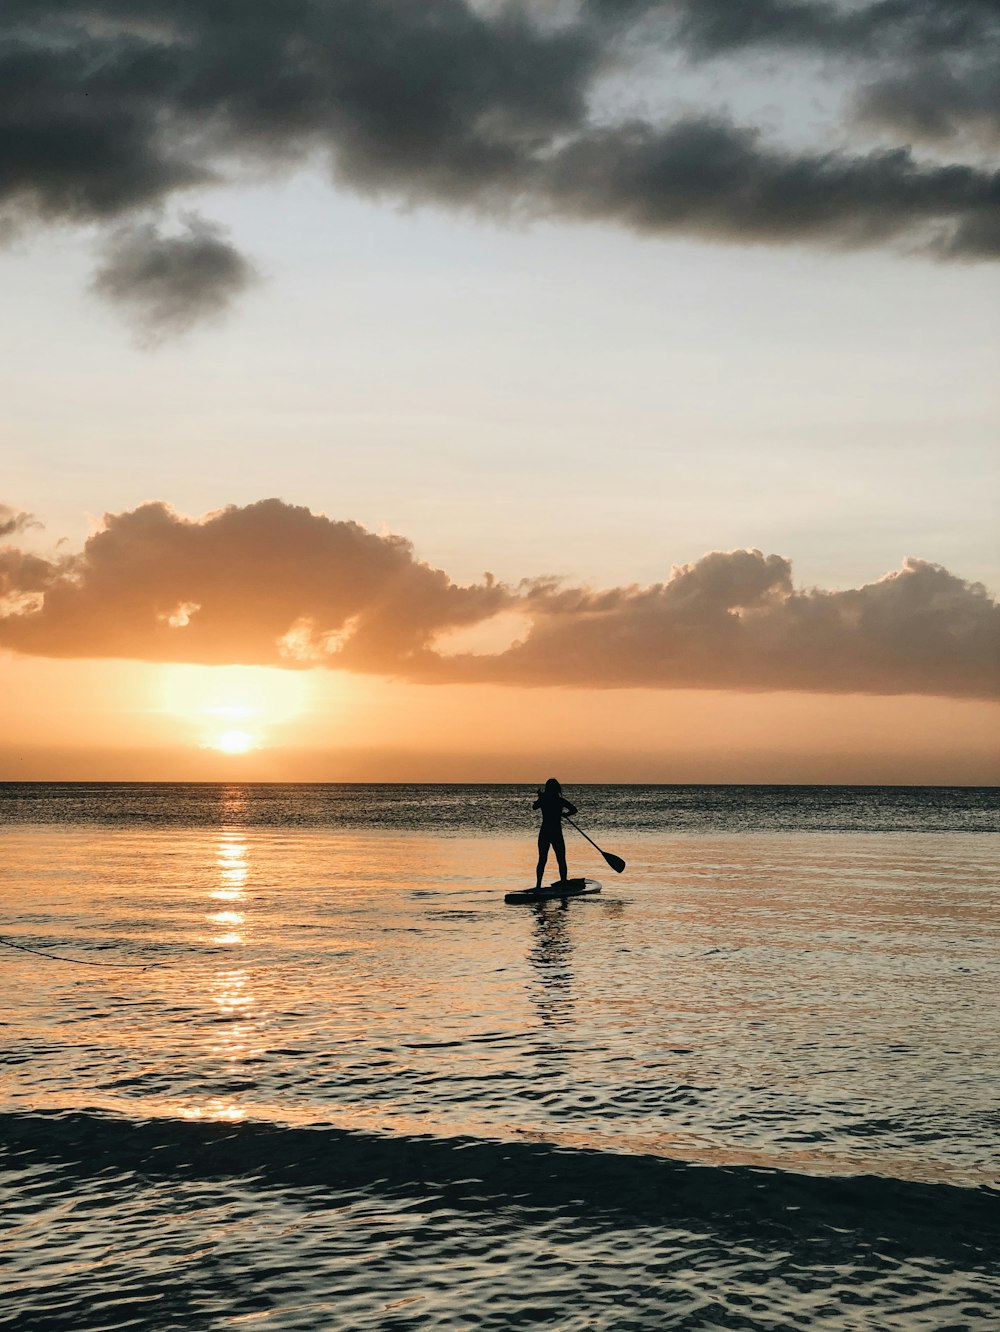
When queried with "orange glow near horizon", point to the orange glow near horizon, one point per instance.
{"points": [[63, 720]]}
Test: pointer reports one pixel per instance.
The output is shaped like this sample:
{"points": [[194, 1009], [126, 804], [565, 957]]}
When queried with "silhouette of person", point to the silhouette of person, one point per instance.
{"points": [[553, 805]]}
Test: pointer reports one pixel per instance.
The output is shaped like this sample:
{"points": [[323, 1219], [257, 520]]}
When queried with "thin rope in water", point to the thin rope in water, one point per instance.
{"points": [[75, 961]]}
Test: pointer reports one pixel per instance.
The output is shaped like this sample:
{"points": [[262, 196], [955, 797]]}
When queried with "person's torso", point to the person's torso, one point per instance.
{"points": [[552, 808]]}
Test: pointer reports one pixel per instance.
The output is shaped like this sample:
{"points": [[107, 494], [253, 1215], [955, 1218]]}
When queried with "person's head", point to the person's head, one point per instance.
{"points": [[552, 787]]}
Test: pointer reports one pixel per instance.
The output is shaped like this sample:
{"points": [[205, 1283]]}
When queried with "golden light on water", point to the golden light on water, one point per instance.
{"points": [[230, 994], [216, 1110], [231, 860]]}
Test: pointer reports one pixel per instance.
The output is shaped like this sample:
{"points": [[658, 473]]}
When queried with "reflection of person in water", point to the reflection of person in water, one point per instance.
{"points": [[553, 805], [551, 958]]}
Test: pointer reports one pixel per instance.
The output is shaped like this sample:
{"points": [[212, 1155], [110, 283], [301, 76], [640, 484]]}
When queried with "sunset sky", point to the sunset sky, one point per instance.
{"points": [[475, 391]]}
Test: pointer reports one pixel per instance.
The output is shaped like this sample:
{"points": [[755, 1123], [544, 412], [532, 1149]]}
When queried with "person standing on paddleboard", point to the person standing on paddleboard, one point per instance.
{"points": [[553, 805]]}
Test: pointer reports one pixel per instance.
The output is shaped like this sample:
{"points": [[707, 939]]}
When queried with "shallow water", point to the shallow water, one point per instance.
{"points": [[331, 1080]]}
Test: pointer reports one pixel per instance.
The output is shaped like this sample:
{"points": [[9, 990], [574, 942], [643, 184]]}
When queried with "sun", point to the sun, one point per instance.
{"points": [[233, 742], [233, 709]]}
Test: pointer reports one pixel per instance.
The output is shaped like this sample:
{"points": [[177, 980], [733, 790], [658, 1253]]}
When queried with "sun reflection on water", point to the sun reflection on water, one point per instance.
{"points": [[229, 1002], [232, 918], [231, 995], [215, 1109], [232, 1029], [231, 859]]}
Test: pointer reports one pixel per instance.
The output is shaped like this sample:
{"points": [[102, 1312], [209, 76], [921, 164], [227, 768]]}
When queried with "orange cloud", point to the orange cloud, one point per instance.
{"points": [[269, 584], [733, 620], [274, 584]]}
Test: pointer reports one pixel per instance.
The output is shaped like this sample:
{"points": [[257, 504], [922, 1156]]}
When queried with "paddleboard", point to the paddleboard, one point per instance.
{"points": [[571, 888]]}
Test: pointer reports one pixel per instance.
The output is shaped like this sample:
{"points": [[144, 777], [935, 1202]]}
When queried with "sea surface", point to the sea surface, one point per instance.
{"points": [[280, 1057]]}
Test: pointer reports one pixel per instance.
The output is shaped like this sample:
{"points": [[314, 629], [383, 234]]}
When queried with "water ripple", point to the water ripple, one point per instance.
{"points": [[752, 1085], [194, 1221]]}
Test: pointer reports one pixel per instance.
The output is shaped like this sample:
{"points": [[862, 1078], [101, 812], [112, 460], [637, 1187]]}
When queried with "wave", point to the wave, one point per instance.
{"points": [[794, 1212]]}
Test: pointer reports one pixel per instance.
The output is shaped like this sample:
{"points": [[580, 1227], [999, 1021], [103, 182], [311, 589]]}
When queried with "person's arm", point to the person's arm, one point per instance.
{"points": [[570, 807], [538, 802]]}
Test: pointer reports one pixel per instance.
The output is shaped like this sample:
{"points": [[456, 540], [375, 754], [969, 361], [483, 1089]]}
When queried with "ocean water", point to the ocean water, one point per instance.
{"points": [[289, 1062]]}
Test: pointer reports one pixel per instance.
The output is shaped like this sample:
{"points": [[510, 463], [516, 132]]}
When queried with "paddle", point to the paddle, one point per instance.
{"points": [[616, 862]]}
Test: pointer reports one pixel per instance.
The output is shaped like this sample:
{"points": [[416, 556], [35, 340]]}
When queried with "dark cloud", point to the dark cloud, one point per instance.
{"points": [[15, 520], [105, 106], [923, 68], [886, 28], [273, 584], [934, 100], [713, 179], [110, 108], [166, 283], [890, 28]]}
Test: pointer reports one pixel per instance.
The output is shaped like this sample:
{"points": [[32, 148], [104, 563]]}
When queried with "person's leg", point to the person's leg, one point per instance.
{"points": [[559, 847], [543, 855]]}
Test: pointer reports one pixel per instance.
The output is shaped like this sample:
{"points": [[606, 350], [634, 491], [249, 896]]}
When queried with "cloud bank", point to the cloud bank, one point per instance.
{"points": [[275, 584], [111, 110]]}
